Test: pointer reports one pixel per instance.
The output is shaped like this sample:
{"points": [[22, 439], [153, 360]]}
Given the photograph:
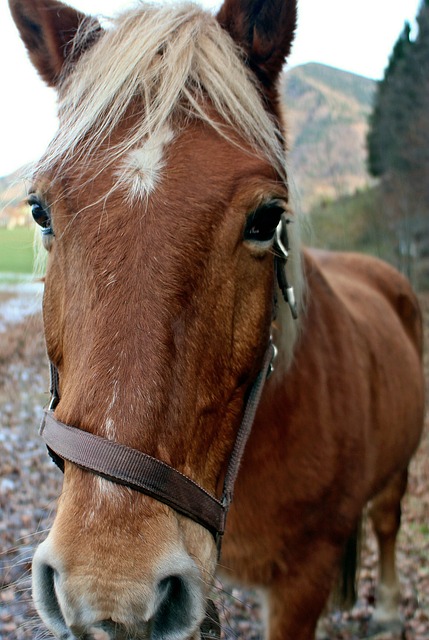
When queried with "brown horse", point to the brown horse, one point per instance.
{"points": [[160, 200]]}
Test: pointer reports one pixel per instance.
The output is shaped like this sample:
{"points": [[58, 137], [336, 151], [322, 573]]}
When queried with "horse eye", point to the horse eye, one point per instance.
{"points": [[39, 212], [261, 224]]}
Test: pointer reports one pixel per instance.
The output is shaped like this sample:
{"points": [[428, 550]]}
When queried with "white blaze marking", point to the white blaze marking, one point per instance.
{"points": [[142, 167], [102, 494], [109, 427], [109, 424]]}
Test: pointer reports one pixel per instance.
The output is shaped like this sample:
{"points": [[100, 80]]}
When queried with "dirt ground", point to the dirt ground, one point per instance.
{"points": [[30, 484]]}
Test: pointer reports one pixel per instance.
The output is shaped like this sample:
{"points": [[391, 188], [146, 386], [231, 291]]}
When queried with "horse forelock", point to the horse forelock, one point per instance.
{"points": [[173, 60]]}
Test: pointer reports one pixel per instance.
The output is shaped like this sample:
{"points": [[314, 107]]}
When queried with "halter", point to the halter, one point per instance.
{"points": [[141, 472]]}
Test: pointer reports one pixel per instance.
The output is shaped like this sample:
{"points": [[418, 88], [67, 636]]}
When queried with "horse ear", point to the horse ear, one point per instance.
{"points": [[48, 29], [264, 29]]}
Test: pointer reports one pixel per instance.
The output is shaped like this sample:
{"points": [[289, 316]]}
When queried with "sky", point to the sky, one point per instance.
{"points": [[356, 36]]}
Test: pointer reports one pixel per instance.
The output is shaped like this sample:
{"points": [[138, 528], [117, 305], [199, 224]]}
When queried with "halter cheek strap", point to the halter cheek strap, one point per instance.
{"points": [[141, 472]]}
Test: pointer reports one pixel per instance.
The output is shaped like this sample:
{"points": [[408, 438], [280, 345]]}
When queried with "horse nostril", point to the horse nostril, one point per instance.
{"points": [[46, 600], [175, 615]]}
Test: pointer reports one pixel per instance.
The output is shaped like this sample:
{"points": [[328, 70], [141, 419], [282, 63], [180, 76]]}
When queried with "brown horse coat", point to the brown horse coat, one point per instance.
{"points": [[158, 311]]}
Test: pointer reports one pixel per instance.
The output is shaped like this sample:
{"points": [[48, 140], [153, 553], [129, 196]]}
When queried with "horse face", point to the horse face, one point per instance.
{"points": [[157, 311], [157, 315]]}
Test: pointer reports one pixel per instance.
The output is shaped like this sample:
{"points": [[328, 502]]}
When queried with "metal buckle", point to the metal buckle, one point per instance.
{"points": [[281, 249], [53, 403], [271, 365]]}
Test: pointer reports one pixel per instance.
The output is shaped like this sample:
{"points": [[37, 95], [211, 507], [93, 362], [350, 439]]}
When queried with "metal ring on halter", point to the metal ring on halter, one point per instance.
{"points": [[281, 248], [278, 243], [275, 354]]}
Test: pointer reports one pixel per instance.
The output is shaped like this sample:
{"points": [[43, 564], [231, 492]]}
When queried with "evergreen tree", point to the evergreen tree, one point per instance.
{"points": [[398, 139], [384, 118]]}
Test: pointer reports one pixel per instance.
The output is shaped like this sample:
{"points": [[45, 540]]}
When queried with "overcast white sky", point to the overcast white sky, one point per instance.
{"points": [[356, 35]]}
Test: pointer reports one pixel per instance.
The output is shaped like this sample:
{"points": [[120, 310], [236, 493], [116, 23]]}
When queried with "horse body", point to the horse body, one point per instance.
{"points": [[333, 432], [158, 309], [353, 433]]}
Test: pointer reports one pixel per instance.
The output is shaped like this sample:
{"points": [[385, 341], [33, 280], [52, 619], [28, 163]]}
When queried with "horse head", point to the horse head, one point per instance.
{"points": [[159, 200]]}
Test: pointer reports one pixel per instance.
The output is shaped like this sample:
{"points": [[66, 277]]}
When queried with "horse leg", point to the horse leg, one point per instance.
{"points": [[385, 513], [298, 595]]}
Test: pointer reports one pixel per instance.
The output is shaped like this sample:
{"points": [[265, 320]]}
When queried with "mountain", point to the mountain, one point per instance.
{"points": [[326, 113]]}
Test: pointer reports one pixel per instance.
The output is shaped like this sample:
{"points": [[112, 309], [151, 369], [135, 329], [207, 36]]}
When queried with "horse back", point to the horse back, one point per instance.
{"points": [[350, 273]]}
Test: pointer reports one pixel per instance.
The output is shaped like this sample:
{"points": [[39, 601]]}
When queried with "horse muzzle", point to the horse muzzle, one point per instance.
{"points": [[170, 605]]}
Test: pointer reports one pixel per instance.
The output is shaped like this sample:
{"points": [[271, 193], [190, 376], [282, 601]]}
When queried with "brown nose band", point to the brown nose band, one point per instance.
{"points": [[141, 472]]}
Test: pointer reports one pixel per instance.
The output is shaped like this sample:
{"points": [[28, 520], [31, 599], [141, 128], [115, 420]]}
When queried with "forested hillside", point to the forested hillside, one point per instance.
{"points": [[327, 113]]}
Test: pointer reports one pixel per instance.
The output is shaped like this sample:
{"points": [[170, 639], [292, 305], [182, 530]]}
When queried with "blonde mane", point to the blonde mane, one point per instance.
{"points": [[176, 59]]}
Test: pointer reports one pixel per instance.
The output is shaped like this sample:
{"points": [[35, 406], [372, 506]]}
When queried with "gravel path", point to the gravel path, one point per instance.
{"points": [[30, 484]]}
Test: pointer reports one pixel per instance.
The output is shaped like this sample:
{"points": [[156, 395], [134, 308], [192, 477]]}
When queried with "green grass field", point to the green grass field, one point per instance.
{"points": [[16, 250]]}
